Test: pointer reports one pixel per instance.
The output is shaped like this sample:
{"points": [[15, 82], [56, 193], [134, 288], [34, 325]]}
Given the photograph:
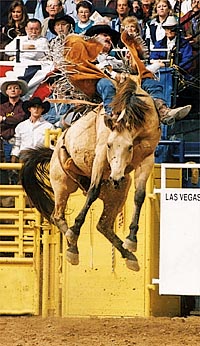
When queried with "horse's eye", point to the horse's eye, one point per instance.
{"points": [[108, 146], [130, 147]]}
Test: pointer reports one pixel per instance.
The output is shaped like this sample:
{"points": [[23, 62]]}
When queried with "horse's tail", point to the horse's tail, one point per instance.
{"points": [[35, 179]]}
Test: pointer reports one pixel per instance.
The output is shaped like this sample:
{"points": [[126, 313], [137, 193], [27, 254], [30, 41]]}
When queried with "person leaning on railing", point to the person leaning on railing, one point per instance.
{"points": [[11, 114], [170, 41], [31, 132], [33, 46]]}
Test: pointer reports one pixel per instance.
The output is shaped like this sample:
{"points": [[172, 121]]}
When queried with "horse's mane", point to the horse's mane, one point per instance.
{"points": [[134, 105]]}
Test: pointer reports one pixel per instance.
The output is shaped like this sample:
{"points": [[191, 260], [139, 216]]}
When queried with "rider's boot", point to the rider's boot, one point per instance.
{"points": [[167, 115]]}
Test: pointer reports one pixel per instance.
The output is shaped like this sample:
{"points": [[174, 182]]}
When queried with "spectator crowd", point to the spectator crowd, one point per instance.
{"points": [[42, 29]]}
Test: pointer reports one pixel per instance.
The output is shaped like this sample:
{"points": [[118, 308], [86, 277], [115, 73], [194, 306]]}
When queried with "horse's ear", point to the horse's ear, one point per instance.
{"points": [[121, 116], [108, 122]]}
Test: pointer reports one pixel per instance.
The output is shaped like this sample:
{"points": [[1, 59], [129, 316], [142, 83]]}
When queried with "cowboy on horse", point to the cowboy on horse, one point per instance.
{"points": [[81, 55]]}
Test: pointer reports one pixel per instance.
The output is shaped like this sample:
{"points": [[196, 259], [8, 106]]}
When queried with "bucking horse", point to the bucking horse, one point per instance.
{"points": [[97, 154]]}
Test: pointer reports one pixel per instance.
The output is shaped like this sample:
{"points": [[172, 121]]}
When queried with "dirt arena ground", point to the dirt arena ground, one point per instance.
{"points": [[33, 331]]}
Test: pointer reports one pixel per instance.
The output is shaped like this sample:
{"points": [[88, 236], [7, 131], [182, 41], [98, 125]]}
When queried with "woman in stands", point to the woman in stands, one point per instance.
{"points": [[84, 11], [17, 20], [155, 32]]}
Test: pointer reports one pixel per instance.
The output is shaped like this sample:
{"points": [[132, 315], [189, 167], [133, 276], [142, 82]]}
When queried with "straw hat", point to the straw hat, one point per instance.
{"points": [[22, 84]]}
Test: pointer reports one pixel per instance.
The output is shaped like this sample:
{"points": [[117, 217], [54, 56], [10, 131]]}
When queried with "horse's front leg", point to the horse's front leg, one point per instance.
{"points": [[114, 200], [142, 173], [92, 195]]}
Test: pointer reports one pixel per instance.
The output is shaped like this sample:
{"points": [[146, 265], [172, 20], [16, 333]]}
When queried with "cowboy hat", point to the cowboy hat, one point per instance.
{"points": [[170, 22], [22, 84], [33, 102], [104, 29], [57, 18]]}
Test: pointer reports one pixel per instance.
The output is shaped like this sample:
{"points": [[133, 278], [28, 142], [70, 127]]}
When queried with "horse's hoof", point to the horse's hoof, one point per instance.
{"points": [[71, 237], [72, 258], [130, 245], [133, 265]]}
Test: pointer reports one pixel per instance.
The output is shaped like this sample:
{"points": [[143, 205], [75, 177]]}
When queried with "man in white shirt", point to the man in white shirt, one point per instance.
{"points": [[33, 50], [31, 132], [32, 46]]}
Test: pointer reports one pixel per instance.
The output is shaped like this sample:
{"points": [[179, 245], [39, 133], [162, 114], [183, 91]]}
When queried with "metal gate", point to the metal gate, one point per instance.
{"points": [[19, 253], [100, 285]]}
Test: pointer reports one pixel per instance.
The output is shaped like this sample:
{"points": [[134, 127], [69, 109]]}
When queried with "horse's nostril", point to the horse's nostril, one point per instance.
{"points": [[116, 184]]}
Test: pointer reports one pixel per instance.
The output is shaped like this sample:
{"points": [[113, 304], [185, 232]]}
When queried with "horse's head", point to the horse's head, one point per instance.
{"points": [[119, 154], [129, 112]]}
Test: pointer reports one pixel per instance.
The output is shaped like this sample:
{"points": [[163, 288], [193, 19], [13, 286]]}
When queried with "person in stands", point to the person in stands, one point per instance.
{"points": [[33, 45], [34, 48], [191, 30], [53, 8], [147, 9], [60, 27], [36, 9], [170, 41], [154, 30], [136, 10], [17, 20], [70, 9], [31, 132], [180, 7], [123, 8], [11, 114], [84, 11]]}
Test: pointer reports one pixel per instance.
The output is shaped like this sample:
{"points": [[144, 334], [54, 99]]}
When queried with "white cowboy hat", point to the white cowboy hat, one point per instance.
{"points": [[170, 22], [22, 84]]}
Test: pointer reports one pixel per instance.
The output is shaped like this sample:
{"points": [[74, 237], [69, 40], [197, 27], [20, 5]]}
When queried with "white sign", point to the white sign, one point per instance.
{"points": [[180, 242]]}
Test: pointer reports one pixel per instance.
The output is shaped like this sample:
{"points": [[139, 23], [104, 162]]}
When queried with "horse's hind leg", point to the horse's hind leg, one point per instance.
{"points": [[142, 173], [63, 186], [59, 220], [95, 186], [113, 203]]}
